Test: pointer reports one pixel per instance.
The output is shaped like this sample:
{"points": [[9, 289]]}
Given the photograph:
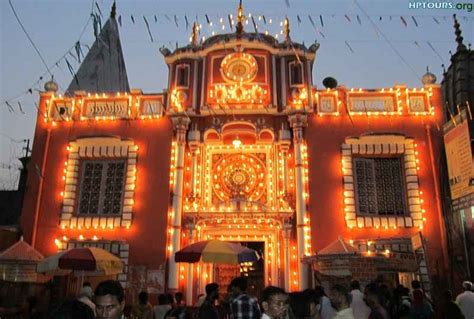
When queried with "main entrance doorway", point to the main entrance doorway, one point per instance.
{"points": [[255, 272]]}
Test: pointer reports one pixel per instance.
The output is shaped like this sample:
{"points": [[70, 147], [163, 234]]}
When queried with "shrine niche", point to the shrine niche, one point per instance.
{"points": [[239, 80]]}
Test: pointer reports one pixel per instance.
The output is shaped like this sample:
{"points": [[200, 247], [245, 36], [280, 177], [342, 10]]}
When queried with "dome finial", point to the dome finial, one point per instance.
{"points": [[240, 18], [428, 77], [51, 86], [458, 32], [195, 34], [286, 29]]}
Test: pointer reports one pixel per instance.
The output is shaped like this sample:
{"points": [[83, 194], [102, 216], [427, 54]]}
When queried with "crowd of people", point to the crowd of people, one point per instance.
{"points": [[375, 301]]}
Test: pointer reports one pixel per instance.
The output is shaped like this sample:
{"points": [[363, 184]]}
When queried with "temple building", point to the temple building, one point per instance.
{"points": [[242, 146], [457, 175]]}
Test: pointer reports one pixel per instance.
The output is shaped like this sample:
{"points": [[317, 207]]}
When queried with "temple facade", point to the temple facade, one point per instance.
{"points": [[242, 146]]}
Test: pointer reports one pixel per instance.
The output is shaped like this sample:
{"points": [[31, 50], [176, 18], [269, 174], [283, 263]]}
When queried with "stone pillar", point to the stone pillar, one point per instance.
{"points": [[298, 122], [284, 141], [194, 137], [190, 270], [180, 125], [286, 236]]}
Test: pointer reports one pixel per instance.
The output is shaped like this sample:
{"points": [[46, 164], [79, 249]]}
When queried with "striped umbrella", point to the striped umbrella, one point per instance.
{"points": [[89, 261], [217, 252]]}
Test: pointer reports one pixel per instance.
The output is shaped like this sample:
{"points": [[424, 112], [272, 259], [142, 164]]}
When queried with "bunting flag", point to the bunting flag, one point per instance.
{"points": [[469, 109], [77, 46], [187, 22], [414, 20], [350, 48], [156, 19], [347, 17], [358, 20], [73, 56], [312, 22], [380, 18], [20, 108], [322, 34], [71, 70], [99, 22], [133, 19], [321, 19], [148, 28], [436, 20], [287, 2], [451, 114], [230, 21], [417, 44], [120, 20], [94, 24], [10, 108], [403, 21], [167, 17], [299, 19], [207, 19], [255, 28], [98, 8], [264, 19], [176, 21]]}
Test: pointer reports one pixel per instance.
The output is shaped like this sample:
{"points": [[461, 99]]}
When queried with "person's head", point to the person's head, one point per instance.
{"points": [[212, 291], [170, 299], [340, 297], [73, 309], [299, 304], [178, 297], [447, 295], [86, 291], [467, 285], [355, 285], [109, 300], [418, 297], [143, 297], [275, 302], [314, 299], [371, 295], [238, 285], [162, 299], [415, 284]]}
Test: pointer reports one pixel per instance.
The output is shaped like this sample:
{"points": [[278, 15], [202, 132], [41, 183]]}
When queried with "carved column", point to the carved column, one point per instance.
{"points": [[286, 236], [298, 122], [284, 141], [190, 270], [194, 137], [180, 125]]}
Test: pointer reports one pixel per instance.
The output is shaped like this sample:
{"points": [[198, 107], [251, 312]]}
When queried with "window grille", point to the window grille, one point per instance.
{"points": [[102, 185], [380, 188]]}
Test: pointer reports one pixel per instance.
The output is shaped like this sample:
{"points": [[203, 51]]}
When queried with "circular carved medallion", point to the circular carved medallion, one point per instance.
{"points": [[239, 67], [239, 176]]}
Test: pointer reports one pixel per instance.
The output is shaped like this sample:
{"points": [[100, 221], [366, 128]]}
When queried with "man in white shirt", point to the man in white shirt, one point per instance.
{"points": [[340, 299], [465, 300], [358, 305]]}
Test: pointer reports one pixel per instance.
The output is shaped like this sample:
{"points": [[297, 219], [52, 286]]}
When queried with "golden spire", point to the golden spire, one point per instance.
{"points": [[240, 18], [195, 34], [286, 29]]}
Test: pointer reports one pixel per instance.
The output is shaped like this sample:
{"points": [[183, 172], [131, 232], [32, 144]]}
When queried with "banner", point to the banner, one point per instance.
{"points": [[459, 158]]}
